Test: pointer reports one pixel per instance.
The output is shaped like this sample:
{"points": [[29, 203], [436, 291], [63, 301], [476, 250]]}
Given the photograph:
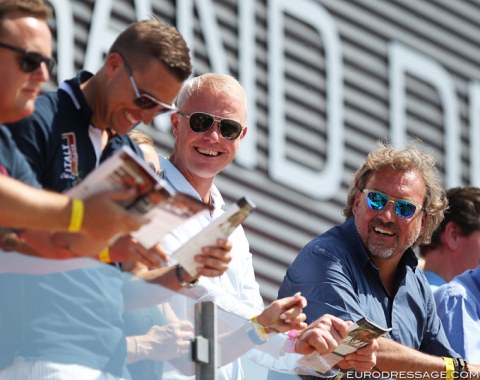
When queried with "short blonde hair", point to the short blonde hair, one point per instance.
{"points": [[217, 83]]}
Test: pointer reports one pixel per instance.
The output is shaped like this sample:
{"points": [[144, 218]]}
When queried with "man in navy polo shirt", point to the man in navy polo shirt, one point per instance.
{"points": [[25, 53]]}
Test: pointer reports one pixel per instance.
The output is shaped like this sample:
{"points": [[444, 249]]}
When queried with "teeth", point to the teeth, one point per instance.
{"points": [[208, 152], [130, 118], [382, 231]]}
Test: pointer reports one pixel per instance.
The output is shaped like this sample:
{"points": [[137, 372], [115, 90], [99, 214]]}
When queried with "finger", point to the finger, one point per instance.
{"points": [[118, 195], [291, 314], [210, 262], [209, 272], [147, 258], [340, 327], [216, 253], [161, 253], [225, 244]]}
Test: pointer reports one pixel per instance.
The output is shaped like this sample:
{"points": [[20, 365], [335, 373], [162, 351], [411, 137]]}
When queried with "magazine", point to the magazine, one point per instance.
{"points": [[360, 334], [222, 227], [156, 200]]}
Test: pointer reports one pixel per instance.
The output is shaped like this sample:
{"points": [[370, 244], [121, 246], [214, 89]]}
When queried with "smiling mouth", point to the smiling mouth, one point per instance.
{"points": [[130, 118], [382, 231], [207, 152]]}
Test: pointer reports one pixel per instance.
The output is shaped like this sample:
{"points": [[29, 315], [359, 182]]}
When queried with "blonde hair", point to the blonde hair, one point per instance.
{"points": [[140, 137], [216, 83], [386, 157]]}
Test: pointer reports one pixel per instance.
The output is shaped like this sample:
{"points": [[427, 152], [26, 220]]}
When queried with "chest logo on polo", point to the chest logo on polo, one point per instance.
{"points": [[70, 156]]}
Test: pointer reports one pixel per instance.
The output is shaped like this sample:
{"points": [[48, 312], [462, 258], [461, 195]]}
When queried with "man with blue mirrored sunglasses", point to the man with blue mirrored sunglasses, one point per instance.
{"points": [[366, 267]]}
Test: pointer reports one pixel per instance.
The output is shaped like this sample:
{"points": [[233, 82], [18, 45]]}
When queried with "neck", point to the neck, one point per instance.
{"points": [[440, 263], [93, 96], [203, 186], [387, 269]]}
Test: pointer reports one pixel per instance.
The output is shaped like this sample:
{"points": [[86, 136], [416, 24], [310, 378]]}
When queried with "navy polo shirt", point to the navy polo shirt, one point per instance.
{"points": [[12, 162]]}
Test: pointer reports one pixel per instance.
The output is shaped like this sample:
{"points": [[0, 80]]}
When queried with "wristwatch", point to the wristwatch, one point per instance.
{"points": [[181, 280]]}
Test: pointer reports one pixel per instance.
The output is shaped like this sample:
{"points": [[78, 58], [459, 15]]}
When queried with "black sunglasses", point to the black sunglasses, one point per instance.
{"points": [[143, 100], [201, 122], [378, 201], [30, 60]]}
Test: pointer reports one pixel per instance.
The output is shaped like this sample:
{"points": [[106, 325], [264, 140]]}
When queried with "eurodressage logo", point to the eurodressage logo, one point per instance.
{"points": [[70, 157]]}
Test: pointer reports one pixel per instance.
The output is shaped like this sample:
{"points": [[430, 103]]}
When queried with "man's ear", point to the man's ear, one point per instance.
{"points": [[244, 132], [174, 122], [113, 62], [355, 202], [451, 233]]}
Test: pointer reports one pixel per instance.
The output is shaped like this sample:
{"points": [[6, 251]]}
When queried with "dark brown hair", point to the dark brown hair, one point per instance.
{"points": [[154, 39], [463, 210]]}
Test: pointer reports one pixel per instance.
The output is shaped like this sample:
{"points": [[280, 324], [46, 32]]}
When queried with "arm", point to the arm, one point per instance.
{"points": [[24, 206]]}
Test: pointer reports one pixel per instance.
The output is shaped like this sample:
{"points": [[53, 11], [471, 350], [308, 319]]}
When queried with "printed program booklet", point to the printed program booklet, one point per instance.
{"points": [[360, 334], [222, 227], [166, 208]]}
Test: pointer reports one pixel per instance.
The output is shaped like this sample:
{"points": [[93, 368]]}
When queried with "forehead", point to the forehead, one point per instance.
{"points": [[28, 32], [405, 185], [227, 103]]}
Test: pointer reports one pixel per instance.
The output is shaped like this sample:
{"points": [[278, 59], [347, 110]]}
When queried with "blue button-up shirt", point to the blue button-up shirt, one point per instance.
{"points": [[458, 305], [335, 274]]}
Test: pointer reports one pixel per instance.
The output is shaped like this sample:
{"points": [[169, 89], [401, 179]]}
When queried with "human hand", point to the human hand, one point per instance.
{"points": [[10, 240], [364, 359], [322, 335], [165, 342], [40, 244], [105, 218], [284, 314], [128, 249], [214, 260]]}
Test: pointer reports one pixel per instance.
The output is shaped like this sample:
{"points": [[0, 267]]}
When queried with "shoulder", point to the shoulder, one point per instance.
{"points": [[449, 291], [320, 254], [43, 116]]}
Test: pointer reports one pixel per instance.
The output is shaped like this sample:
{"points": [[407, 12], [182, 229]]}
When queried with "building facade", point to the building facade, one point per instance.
{"points": [[326, 79]]}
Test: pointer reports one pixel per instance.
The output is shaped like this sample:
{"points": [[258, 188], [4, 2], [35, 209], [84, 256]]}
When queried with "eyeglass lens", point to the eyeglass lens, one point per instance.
{"points": [[30, 60], [377, 201], [201, 122], [143, 101]]}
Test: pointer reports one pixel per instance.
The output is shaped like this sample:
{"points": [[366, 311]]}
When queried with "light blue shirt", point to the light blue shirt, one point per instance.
{"points": [[458, 305], [434, 280]]}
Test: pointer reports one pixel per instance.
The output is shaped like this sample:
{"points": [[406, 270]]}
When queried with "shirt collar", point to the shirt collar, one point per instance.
{"points": [[176, 179], [72, 88], [409, 257]]}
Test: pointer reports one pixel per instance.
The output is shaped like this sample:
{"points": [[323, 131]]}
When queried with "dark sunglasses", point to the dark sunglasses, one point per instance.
{"points": [[30, 60], [143, 100], [377, 201], [201, 122]]}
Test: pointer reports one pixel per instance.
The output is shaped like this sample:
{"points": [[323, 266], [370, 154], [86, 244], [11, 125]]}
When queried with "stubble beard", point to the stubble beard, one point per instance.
{"points": [[379, 250]]}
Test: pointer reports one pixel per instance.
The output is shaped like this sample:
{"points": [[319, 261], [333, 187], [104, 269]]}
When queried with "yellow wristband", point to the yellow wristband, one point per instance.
{"points": [[258, 326], [449, 367], [76, 217], [104, 256]]}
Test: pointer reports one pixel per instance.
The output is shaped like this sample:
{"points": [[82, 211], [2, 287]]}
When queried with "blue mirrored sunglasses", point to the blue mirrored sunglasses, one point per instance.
{"points": [[377, 201]]}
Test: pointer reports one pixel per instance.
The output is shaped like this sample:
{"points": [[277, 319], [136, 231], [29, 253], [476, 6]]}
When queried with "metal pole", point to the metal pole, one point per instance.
{"points": [[204, 346]]}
